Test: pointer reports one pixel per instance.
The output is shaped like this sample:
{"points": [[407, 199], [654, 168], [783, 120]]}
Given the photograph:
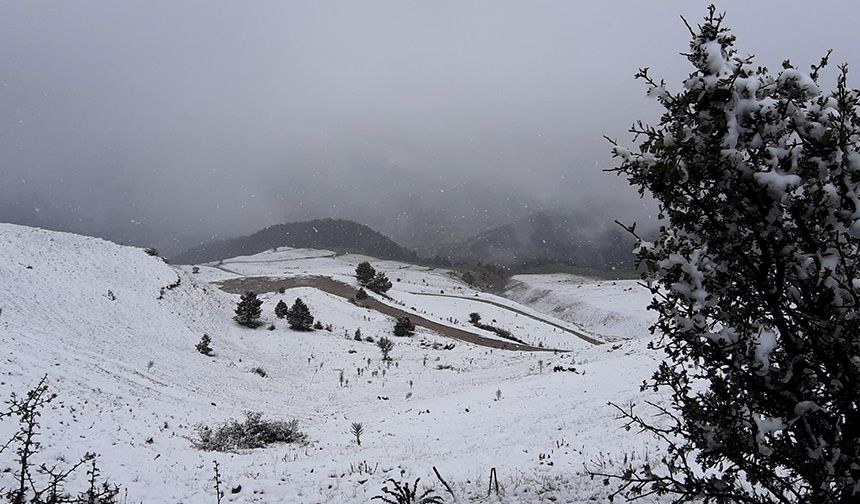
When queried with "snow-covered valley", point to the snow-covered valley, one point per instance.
{"points": [[115, 329]]}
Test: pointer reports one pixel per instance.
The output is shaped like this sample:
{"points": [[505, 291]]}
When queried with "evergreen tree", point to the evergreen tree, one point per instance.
{"points": [[281, 309], [361, 295], [756, 281], [380, 283], [474, 317], [299, 316], [404, 327], [248, 310], [364, 273], [203, 347]]}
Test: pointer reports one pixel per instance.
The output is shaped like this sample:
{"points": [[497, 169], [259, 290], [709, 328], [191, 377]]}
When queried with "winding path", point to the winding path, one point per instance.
{"points": [[579, 334]]}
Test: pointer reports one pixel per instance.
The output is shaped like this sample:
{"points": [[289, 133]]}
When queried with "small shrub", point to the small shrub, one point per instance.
{"points": [[203, 347], [404, 327], [474, 317], [254, 432], [401, 493], [385, 345], [151, 251], [361, 295], [318, 325], [357, 430], [357, 335], [259, 372]]}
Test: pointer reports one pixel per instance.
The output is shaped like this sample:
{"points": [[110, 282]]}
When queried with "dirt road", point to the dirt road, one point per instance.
{"points": [[325, 284], [579, 334]]}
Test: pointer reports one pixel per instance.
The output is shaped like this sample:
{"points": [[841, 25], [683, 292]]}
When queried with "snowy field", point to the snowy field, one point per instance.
{"points": [[118, 347]]}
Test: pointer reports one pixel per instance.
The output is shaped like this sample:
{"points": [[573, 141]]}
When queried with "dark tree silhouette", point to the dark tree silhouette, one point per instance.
{"points": [[299, 316], [404, 327], [248, 310]]}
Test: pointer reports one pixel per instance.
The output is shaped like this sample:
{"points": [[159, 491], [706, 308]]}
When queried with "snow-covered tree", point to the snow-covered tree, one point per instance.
{"points": [[299, 316], [364, 273], [248, 310], [204, 346], [281, 309], [380, 283], [756, 280]]}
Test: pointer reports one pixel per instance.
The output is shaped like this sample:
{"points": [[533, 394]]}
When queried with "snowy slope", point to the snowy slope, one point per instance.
{"points": [[126, 371], [611, 309]]}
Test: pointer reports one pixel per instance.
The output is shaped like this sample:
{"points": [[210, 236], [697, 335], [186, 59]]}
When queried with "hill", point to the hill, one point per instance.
{"points": [[545, 238], [336, 234], [114, 329]]}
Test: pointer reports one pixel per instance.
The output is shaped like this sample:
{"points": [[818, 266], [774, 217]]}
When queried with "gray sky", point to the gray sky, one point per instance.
{"points": [[171, 122]]}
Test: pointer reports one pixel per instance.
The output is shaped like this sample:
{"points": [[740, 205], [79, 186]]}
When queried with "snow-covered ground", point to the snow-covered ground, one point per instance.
{"points": [[118, 347], [610, 309]]}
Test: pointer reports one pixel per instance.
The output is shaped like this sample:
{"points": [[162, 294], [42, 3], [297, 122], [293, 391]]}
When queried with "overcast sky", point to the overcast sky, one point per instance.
{"points": [[175, 121]]}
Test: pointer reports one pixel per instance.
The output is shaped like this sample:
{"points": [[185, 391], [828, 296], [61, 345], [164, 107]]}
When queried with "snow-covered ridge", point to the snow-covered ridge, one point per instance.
{"points": [[611, 309], [118, 347]]}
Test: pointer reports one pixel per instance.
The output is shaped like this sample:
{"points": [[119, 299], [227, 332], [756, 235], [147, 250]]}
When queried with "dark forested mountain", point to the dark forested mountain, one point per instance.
{"points": [[332, 234], [545, 238]]}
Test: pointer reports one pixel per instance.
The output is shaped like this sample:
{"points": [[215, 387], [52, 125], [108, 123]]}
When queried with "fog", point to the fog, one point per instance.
{"points": [[168, 123]]}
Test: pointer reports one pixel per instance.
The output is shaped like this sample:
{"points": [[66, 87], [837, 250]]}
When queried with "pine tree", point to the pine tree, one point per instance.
{"points": [[203, 346], [364, 273], [361, 295], [404, 327], [248, 310], [756, 281], [380, 283], [299, 316], [281, 309]]}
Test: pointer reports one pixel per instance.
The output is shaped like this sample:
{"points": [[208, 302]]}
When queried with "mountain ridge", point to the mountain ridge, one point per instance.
{"points": [[336, 234]]}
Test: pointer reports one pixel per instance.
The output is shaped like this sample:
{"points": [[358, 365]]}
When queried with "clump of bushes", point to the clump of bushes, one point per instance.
{"points": [[368, 277], [254, 432]]}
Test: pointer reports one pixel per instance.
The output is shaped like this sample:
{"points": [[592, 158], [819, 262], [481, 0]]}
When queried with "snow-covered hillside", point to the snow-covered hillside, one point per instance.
{"points": [[115, 329], [610, 309]]}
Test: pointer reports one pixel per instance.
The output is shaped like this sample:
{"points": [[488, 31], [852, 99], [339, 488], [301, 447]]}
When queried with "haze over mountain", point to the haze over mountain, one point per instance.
{"points": [[545, 238], [167, 124], [332, 234]]}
